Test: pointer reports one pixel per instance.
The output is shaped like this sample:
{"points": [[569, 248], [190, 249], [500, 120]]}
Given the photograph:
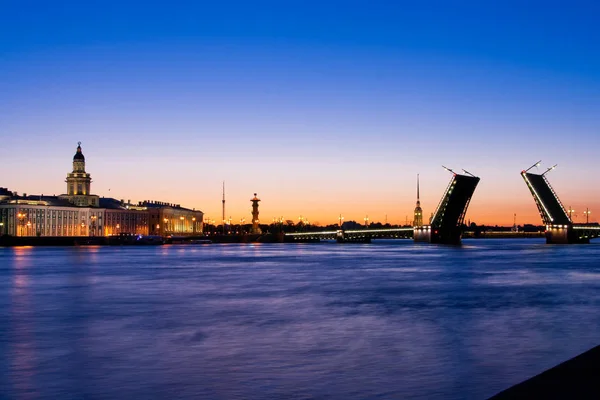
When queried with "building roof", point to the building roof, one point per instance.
{"points": [[38, 199], [160, 204], [113, 204], [78, 155]]}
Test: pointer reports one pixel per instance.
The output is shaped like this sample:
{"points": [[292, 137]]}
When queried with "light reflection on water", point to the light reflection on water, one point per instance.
{"points": [[387, 320]]}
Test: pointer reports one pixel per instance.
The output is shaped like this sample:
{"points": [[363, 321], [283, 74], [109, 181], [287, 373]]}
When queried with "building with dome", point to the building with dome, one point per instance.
{"points": [[79, 183], [81, 213]]}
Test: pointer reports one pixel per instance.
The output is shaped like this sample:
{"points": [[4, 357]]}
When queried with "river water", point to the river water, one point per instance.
{"points": [[389, 320]]}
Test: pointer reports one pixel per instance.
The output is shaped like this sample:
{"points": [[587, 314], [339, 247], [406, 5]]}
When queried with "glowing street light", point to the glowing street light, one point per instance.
{"points": [[1, 228], [570, 211], [366, 219], [587, 213], [341, 219]]}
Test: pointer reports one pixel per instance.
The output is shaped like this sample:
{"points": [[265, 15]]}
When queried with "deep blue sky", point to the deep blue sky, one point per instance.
{"points": [[321, 108]]}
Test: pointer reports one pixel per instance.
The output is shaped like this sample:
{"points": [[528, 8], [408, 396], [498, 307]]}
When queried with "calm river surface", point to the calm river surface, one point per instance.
{"points": [[390, 320]]}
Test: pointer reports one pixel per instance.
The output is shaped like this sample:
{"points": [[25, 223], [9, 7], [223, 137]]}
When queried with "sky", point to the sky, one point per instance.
{"points": [[322, 108]]}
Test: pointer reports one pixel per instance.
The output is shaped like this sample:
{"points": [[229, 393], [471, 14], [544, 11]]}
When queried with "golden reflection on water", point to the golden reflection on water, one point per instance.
{"points": [[22, 351]]}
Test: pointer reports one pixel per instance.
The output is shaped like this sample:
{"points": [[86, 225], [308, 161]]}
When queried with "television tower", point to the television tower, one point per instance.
{"points": [[223, 220]]}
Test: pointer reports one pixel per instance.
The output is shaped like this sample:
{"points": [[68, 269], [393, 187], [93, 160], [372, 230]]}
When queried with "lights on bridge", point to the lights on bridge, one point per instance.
{"points": [[550, 227]]}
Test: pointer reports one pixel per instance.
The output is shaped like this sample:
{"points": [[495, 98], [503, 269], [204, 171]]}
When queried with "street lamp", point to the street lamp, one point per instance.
{"points": [[28, 228], [366, 222], [341, 219], [193, 224], [182, 224], [570, 211], [166, 221], [587, 213]]}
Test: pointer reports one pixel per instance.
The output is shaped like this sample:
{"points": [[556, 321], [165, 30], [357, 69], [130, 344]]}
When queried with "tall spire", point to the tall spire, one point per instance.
{"points": [[418, 216]]}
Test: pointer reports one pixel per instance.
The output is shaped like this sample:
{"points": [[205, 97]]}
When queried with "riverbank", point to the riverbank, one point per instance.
{"points": [[576, 378]]}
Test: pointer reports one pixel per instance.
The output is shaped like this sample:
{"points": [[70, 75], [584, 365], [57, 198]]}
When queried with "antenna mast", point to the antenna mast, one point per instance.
{"points": [[223, 207], [550, 169], [537, 164]]}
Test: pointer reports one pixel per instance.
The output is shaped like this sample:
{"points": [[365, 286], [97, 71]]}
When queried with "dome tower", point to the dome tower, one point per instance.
{"points": [[79, 183]]}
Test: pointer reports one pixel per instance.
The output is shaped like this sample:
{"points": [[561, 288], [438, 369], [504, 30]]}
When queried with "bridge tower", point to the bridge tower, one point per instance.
{"points": [[446, 223], [418, 218], [255, 227], [559, 226]]}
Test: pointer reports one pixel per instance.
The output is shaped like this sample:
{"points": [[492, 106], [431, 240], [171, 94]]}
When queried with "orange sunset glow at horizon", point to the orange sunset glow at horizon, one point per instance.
{"points": [[380, 193]]}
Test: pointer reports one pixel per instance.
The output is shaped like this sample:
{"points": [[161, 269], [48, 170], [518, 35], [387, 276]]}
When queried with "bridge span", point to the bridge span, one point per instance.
{"points": [[352, 235], [444, 228], [560, 228]]}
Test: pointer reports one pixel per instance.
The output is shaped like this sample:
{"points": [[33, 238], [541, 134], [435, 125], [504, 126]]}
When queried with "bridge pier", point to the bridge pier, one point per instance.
{"points": [[564, 234], [560, 228], [449, 215], [428, 234], [422, 234], [452, 236]]}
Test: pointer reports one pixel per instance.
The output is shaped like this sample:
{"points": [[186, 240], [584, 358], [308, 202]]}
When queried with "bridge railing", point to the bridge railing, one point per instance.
{"points": [[547, 201], [323, 233], [556, 197], [444, 198], [388, 230], [544, 213]]}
